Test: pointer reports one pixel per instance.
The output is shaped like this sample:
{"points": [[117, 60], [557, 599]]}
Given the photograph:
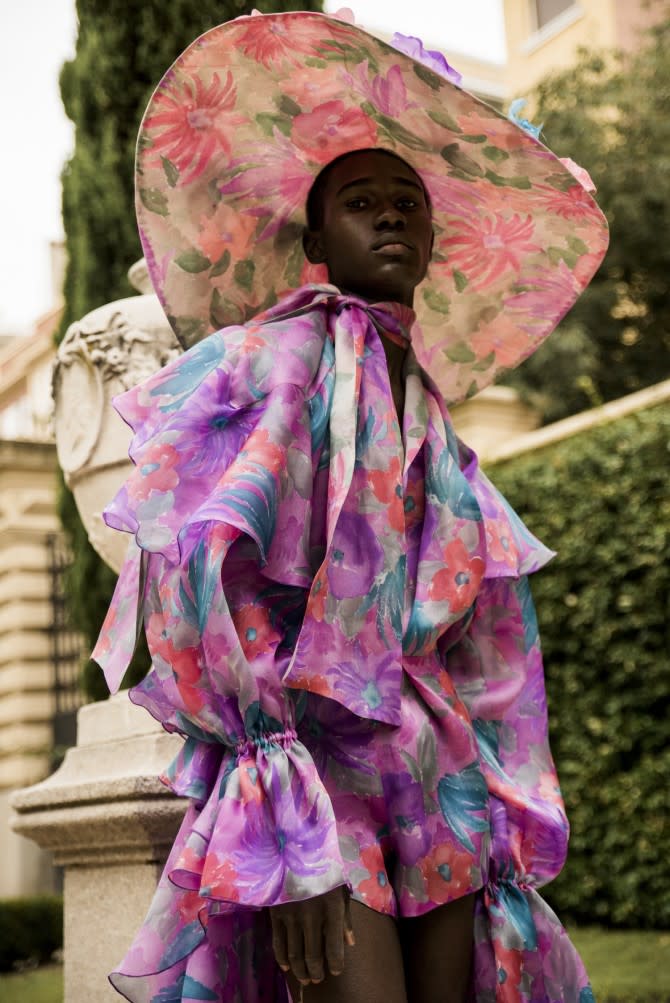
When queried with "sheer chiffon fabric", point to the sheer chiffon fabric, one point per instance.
{"points": [[341, 627]]}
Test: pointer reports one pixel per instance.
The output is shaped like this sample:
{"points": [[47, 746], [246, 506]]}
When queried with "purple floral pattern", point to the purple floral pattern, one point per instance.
{"points": [[352, 714]]}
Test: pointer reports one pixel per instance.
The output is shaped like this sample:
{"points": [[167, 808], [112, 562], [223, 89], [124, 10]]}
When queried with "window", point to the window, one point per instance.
{"points": [[546, 10]]}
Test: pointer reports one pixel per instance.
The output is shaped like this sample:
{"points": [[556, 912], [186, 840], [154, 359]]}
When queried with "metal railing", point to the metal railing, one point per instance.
{"points": [[66, 652]]}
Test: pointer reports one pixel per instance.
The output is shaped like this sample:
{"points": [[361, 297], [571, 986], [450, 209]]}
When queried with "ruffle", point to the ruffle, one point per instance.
{"points": [[230, 439], [512, 551], [266, 834], [260, 831], [522, 952], [204, 435]]}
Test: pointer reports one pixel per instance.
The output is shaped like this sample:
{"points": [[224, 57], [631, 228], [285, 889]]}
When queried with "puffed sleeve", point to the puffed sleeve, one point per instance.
{"points": [[219, 505], [497, 669]]}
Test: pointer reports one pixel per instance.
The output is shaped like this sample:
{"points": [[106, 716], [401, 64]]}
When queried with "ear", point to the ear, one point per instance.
{"points": [[313, 246]]}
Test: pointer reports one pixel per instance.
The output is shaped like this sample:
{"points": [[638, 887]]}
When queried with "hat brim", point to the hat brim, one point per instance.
{"points": [[248, 115]]}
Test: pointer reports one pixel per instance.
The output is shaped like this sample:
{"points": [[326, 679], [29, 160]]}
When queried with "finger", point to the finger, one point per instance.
{"points": [[279, 944], [349, 938], [296, 950], [313, 936], [334, 936]]}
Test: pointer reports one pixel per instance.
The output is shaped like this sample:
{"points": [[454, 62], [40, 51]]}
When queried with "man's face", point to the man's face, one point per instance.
{"points": [[376, 232]]}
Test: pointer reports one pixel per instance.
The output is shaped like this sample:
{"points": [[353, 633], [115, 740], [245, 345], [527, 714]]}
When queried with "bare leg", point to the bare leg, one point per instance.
{"points": [[373, 968], [437, 951]]}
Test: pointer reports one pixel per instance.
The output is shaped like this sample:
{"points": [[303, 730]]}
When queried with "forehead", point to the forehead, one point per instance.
{"points": [[371, 166]]}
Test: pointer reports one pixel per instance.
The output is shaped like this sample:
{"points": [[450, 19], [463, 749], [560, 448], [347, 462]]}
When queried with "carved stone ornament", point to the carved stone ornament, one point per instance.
{"points": [[108, 351]]}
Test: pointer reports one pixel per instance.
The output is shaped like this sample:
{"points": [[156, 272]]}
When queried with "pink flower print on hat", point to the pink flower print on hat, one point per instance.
{"points": [[190, 122]]}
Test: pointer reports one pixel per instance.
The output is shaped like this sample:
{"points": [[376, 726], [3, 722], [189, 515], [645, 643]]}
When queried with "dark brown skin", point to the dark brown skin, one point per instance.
{"points": [[376, 238]]}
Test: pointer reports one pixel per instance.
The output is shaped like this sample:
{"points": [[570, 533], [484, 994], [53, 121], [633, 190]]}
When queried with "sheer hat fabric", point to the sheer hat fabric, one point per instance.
{"points": [[245, 119]]}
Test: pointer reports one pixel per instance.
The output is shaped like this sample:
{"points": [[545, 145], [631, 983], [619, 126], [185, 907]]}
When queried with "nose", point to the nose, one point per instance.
{"points": [[390, 217]]}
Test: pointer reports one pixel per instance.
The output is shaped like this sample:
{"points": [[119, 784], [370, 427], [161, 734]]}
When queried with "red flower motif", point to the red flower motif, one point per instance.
{"points": [[257, 636], [251, 788], [458, 582], [156, 472], [259, 451], [184, 663], [576, 203], [313, 684], [376, 889], [549, 789], [486, 248], [226, 230], [385, 485], [500, 545], [509, 963], [319, 595], [271, 42], [189, 904], [192, 122], [220, 879], [447, 873], [384, 482], [332, 129]]}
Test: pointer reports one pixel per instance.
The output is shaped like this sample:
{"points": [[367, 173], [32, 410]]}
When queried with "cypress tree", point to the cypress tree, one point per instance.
{"points": [[123, 48]]}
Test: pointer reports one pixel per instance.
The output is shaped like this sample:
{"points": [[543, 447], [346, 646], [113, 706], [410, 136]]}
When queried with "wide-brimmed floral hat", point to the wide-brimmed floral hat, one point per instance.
{"points": [[249, 114]]}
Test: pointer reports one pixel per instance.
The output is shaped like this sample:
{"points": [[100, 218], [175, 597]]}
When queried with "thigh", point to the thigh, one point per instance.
{"points": [[437, 950], [373, 967]]}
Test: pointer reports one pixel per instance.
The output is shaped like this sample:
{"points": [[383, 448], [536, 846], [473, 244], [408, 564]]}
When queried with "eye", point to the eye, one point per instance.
{"points": [[356, 203], [407, 203]]}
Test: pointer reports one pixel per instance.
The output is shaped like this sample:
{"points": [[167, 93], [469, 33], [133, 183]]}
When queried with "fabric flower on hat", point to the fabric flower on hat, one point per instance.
{"points": [[580, 173], [514, 115], [431, 58]]}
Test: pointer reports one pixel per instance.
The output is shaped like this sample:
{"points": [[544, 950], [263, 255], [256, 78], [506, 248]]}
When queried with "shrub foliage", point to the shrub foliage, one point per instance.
{"points": [[31, 929], [601, 500], [608, 112]]}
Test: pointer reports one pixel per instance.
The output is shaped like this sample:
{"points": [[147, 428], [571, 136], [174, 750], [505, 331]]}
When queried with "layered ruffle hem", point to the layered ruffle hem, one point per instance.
{"points": [[294, 543]]}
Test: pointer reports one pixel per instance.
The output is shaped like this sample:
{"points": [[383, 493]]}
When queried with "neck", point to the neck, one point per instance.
{"points": [[381, 297]]}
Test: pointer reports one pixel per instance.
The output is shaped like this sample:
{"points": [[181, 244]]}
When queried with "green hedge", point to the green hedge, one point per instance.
{"points": [[31, 929], [602, 500]]}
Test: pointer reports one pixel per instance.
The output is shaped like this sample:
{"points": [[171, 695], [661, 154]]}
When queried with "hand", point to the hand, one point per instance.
{"points": [[307, 936]]}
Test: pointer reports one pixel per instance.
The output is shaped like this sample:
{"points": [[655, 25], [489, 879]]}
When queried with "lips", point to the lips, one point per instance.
{"points": [[392, 244]]}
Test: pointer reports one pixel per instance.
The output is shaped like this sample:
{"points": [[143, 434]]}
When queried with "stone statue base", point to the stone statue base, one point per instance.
{"points": [[110, 823]]}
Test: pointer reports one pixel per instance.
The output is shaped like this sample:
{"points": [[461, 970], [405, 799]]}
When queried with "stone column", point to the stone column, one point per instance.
{"points": [[110, 823]]}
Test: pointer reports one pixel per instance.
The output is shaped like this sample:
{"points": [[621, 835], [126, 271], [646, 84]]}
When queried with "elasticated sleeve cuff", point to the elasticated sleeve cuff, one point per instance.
{"points": [[266, 833]]}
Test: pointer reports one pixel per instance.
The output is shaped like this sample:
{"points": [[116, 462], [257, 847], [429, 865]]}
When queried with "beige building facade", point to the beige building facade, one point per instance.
{"points": [[35, 646], [545, 35]]}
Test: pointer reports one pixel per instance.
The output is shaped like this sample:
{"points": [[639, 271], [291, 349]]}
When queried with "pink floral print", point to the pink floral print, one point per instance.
{"points": [[238, 130], [361, 697]]}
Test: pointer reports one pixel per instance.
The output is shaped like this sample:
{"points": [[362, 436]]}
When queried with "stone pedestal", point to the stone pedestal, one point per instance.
{"points": [[110, 823]]}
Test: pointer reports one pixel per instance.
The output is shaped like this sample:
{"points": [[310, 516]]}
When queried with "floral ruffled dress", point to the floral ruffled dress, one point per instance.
{"points": [[341, 627]]}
